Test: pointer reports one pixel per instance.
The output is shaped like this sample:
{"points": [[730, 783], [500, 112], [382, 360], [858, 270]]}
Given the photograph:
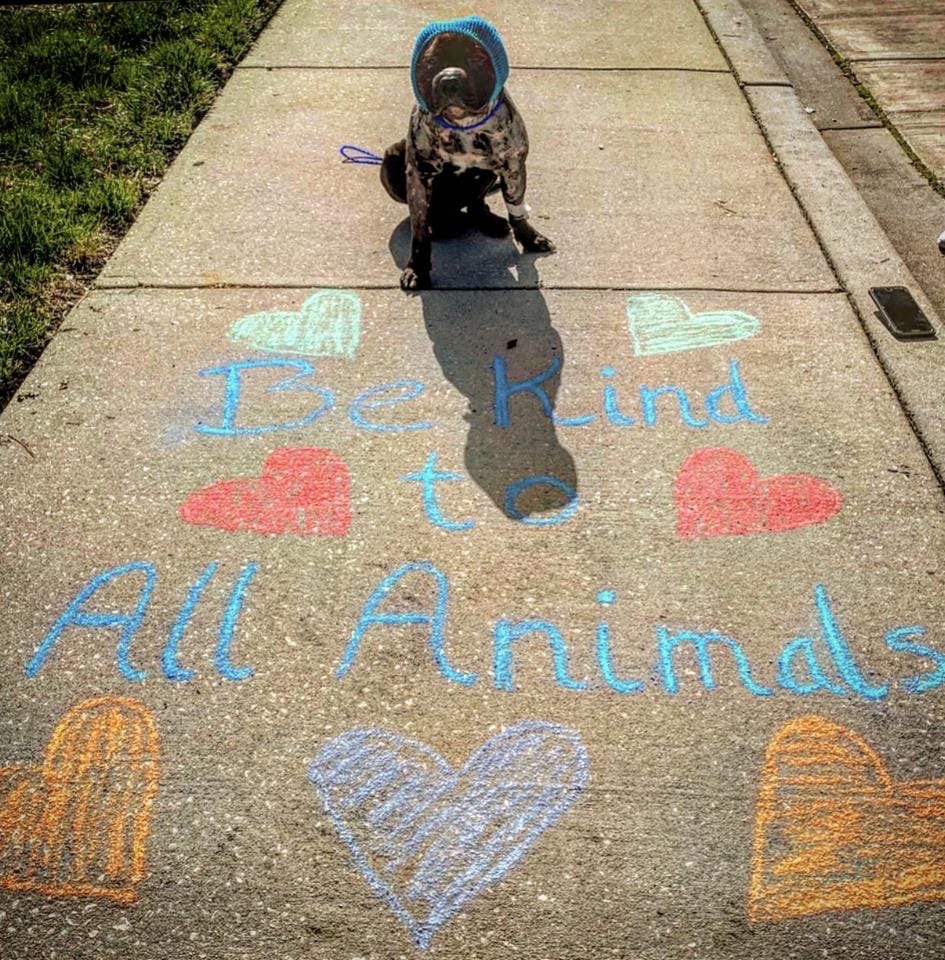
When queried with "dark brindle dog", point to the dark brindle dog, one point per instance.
{"points": [[466, 140]]}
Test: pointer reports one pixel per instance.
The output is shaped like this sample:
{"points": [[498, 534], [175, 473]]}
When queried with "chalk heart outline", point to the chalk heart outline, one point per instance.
{"points": [[659, 324], [427, 838], [719, 492], [328, 324]]}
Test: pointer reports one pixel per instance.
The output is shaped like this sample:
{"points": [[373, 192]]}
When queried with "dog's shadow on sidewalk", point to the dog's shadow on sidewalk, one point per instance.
{"points": [[488, 343]]}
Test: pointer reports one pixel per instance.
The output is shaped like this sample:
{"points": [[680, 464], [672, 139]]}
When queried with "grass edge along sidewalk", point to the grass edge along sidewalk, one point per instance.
{"points": [[96, 99]]}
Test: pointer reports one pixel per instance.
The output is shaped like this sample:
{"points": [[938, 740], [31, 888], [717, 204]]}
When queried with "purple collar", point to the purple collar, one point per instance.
{"points": [[450, 126]]}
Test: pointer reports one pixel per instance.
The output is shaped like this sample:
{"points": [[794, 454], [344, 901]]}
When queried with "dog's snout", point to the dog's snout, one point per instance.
{"points": [[450, 80]]}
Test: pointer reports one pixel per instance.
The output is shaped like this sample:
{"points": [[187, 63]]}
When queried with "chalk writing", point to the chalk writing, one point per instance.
{"points": [[232, 374], [436, 621], [430, 476], [718, 493], [328, 325], [507, 633], [374, 398], [825, 663], [515, 490], [732, 393], [725, 404], [833, 831], [806, 665], [77, 616], [428, 838], [700, 644], [77, 826], [303, 490], [660, 324]]}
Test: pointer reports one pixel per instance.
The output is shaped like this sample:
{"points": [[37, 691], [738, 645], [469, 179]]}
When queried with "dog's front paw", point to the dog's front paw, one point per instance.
{"points": [[530, 239], [412, 279], [537, 243]]}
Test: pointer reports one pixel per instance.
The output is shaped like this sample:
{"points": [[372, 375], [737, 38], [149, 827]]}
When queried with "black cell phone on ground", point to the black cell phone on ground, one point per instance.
{"points": [[901, 314]]}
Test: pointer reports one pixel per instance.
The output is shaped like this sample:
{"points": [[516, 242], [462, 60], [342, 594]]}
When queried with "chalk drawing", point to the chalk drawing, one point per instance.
{"points": [[374, 398], [428, 838], [824, 663], [701, 644], [386, 395], [232, 374], [726, 404], [77, 825], [77, 615], [303, 490], [328, 325], [833, 831], [515, 490], [506, 633], [660, 324], [731, 394], [428, 477], [435, 620], [718, 493]]}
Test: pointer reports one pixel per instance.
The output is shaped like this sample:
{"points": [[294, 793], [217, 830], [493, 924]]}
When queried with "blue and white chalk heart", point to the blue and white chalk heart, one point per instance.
{"points": [[660, 324], [429, 838], [328, 325]]}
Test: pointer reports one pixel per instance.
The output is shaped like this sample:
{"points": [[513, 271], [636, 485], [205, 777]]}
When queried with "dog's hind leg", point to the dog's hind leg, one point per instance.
{"points": [[394, 171]]}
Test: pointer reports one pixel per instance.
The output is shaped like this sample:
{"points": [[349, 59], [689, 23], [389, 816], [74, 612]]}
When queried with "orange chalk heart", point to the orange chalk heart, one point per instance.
{"points": [[833, 831], [302, 490], [78, 825], [718, 493]]}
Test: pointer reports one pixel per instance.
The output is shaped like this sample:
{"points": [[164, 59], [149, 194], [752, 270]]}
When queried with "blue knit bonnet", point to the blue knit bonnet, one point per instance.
{"points": [[482, 32]]}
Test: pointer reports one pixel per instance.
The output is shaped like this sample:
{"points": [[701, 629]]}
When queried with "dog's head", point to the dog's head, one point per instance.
{"points": [[455, 76], [459, 68]]}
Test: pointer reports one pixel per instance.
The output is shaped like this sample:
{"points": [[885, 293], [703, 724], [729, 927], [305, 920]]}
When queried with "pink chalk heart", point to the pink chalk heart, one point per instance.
{"points": [[719, 493], [302, 490]]}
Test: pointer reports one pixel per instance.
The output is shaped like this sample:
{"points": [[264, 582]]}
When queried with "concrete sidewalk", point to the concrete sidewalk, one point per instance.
{"points": [[897, 51], [909, 211], [584, 606]]}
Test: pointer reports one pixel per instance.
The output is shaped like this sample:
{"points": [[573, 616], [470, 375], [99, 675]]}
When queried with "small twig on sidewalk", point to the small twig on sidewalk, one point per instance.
{"points": [[722, 205], [7, 438]]}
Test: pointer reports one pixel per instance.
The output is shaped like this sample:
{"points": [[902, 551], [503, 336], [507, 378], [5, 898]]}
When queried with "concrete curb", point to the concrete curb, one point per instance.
{"points": [[857, 248], [741, 42]]}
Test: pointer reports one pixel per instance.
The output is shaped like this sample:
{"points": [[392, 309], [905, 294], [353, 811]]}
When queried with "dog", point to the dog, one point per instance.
{"points": [[465, 140]]}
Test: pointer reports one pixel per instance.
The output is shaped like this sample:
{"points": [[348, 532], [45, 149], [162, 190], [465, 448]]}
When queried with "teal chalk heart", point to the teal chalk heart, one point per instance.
{"points": [[328, 325], [661, 324]]}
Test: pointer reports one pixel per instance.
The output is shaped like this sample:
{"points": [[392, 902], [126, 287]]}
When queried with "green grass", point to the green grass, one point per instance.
{"points": [[95, 100]]}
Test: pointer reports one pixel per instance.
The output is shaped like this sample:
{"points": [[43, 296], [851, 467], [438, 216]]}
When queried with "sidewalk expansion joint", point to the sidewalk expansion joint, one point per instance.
{"points": [[517, 69], [916, 58], [612, 288]]}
